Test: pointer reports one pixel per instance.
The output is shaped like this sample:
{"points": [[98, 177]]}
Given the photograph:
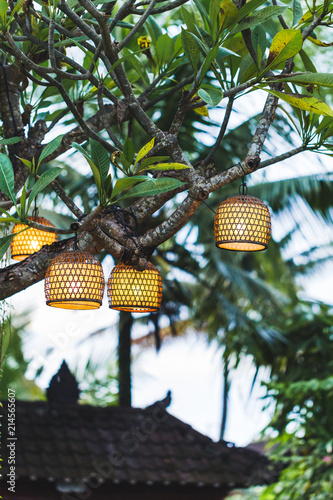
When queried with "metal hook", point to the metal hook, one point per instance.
{"points": [[243, 187], [35, 210]]}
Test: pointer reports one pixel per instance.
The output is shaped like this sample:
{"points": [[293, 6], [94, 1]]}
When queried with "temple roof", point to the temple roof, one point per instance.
{"points": [[69, 442]]}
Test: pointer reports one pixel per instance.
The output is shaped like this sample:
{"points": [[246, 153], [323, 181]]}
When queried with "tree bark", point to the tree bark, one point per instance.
{"points": [[226, 387], [124, 359]]}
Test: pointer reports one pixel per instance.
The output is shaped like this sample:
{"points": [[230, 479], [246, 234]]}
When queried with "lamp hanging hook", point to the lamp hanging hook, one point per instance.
{"points": [[243, 187], [75, 227], [35, 210]]}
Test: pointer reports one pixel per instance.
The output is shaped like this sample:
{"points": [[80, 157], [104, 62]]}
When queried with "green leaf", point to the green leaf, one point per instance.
{"points": [[137, 65], [17, 7], [247, 69], [322, 79], [129, 150], [7, 177], [5, 242], [27, 163], [164, 49], [94, 169], [308, 64], [3, 9], [214, 8], [44, 180], [191, 49], [169, 166], [257, 18], [203, 13], [154, 29], [224, 52], [126, 182], [248, 8], [188, 17], [50, 148], [297, 12], [143, 151], [305, 102], [228, 14], [212, 54], [9, 219], [259, 40], [23, 201], [151, 160], [100, 158], [285, 44], [211, 96], [154, 186], [10, 140]]}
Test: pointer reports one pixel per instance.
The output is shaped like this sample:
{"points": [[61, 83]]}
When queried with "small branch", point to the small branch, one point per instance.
{"points": [[121, 14], [316, 22], [222, 131], [66, 199], [260, 135], [164, 8], [48, 229], [281, 19], [105, 120], [6, 205], [138, 25], [284, 156], [155, 237], [166, 94]]}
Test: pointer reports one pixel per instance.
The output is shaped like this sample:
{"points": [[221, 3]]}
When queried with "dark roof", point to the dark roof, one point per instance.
{"points": [[125, 444], [68, 442]]}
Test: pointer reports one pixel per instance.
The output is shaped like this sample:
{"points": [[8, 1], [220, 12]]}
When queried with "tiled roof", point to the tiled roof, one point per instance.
{"points": [[70, 442]]}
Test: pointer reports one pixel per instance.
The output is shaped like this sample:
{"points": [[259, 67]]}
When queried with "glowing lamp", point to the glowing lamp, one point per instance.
{"points": [[31, 240], [74, 280], [242, 223], [134, 291]]}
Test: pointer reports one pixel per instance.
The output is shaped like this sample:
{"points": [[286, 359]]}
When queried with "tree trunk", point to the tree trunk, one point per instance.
{"points": [[226, 387], [124, 358]]}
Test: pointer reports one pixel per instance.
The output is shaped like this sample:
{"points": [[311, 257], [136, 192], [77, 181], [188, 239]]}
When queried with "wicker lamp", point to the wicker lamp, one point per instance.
{"points": [[242, 223], [134, 291], [30, 241], [74, 280]]}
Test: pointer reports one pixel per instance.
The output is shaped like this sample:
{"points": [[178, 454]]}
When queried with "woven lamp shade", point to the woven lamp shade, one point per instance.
{"points": [[135, 291], [31, 240], [242, 223], [74, 280]]}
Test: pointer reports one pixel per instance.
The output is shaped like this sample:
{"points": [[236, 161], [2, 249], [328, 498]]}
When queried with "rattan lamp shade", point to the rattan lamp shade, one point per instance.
{"points": [[242, 223], [135, 291], [31, 240], [74, 280]]}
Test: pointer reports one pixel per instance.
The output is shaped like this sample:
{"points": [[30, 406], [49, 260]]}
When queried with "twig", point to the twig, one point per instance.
{"points": [[112, 136], [281, 19], [66, 199], [138, 25], [223, 129], [164, 8], [48, 229], [121, 14]]}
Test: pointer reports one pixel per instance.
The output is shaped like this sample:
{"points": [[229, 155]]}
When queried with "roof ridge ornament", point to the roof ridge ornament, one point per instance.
{"points": [[63, 388]]}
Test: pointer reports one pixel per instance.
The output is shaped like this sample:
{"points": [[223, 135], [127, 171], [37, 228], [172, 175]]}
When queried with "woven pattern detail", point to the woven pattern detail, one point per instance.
{"points": [[135, 291], [74, 280], [31, 240], [242, 223]]}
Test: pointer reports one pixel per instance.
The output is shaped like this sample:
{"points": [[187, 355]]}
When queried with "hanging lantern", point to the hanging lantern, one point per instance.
{"points": [[30, 241], [242, 223], [135, 291], [74, 280]]}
